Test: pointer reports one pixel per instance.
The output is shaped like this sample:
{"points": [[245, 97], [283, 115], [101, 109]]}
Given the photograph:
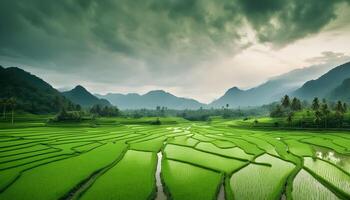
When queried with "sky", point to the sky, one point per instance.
{"points": [[191, 48]]}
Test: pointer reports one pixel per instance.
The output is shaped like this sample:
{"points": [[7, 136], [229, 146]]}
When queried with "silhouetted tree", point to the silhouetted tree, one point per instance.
{"points": [[286, 101], [290, 119], [277, 112], [78, 107], [318, 117], [339, 107], [296, 104], [325, 112], [4, 103], [345, 107], [315, 104]]}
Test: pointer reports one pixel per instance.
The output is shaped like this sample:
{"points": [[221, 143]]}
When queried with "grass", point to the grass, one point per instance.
{"points": [[188, 182], [306, 187], [338, 179], [323, 142], [299, 148], [131, 178], [53, 181], [234, 152], [261, 182], [202, 159], [183, 140], [49, 162], [150, 145]]}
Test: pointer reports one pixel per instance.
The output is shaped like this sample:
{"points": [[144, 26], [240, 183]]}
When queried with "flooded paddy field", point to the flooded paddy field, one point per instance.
{"points": [[186, 160]]}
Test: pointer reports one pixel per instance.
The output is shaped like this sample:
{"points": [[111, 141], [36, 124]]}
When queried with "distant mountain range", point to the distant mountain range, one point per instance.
{"points": [[151, 100], [342, 92], [325, 84], [37, 96], [81, 96], [270, 91], [32, 94]]}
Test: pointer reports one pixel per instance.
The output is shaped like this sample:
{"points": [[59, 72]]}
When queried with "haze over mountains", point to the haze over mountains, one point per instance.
{"points": [[342, 92], [272, 90], [151, 100], [325, 84], [81, 96], [37, 96]]}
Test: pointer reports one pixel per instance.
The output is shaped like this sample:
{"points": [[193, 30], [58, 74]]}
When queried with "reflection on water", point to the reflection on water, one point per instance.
{"points": [[328, 156], [221, 195], [160, 193], [341, 160]]}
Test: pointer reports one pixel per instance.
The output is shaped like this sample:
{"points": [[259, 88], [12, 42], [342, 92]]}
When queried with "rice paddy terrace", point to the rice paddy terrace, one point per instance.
{"points": [[191, 161]]}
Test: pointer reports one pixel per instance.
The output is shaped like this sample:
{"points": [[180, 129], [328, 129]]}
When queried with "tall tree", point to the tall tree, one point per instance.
{"points": [[325, 112], [345, 107], [315, 104], [296, 104], [318, 117], [290, 118], [12, 104], [4, 103], [286, 101], [339, 107]]}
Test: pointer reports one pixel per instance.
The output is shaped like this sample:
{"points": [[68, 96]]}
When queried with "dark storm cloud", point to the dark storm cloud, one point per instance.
{"points": [[161, 34], [281, 22]]}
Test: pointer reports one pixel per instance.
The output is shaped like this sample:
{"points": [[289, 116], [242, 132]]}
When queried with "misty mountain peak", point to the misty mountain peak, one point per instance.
{"points": [[79, 88], [156, 92], [234, 90]]}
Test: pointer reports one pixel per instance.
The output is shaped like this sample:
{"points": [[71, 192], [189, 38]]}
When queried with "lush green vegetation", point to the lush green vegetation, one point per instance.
{"points": [[317, 114], [260, 181], [186, 181], [136, 169], [115, 158], [307, 187]]}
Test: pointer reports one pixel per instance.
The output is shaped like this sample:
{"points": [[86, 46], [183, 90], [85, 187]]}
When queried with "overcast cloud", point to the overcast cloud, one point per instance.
{"points": [[194, 48]]}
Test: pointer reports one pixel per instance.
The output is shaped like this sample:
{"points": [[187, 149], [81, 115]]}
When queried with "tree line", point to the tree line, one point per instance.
{"points": [[8, 103], [80, 114], [320, 114]]}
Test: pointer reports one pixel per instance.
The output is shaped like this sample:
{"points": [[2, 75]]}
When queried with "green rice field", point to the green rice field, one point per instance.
{"points": [[180, 160]]}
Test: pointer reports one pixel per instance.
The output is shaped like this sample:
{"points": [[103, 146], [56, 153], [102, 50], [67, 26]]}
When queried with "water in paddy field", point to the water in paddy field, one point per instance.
{"points": [[160, 193], [221, 195], [340, 160]]}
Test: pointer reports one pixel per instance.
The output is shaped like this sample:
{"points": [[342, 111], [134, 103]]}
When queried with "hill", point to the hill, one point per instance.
{"points": [[81, 96], [342, 92], [151, 100], [271, 90], [32, 94], [324, 85]]}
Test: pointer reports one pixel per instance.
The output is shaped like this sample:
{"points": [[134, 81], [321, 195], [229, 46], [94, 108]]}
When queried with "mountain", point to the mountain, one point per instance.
{"points": [[151, 100], [342, 92], [81, 96], [271, 90], [325, 84], [32, 94]]}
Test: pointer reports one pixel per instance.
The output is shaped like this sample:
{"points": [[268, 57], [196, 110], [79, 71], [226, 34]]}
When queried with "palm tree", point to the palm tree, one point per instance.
{"points": [[325, 111], [286, 101], [290, 119], [12, 104], [315, 104], [4, 103]]}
